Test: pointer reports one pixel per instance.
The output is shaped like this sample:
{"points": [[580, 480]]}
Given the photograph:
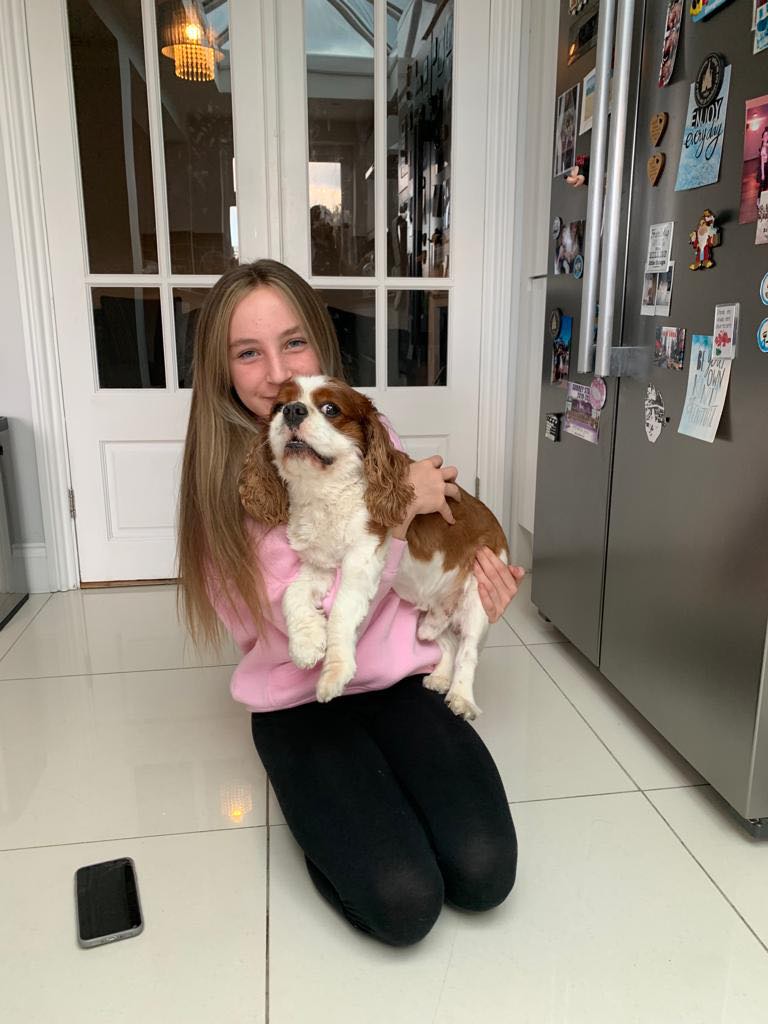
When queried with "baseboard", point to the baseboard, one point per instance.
{"points": [[31, 568]]}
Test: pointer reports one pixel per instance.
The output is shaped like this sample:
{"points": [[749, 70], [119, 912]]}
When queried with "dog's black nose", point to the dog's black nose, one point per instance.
{"points": [[294, 413]]}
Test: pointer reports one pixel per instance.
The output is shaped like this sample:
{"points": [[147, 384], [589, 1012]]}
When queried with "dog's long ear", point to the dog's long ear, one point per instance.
{"points": [[262, 492], [389, 491]]}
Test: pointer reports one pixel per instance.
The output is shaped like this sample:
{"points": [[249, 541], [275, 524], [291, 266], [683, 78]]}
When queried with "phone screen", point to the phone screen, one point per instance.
{"points": [[107, 899]]}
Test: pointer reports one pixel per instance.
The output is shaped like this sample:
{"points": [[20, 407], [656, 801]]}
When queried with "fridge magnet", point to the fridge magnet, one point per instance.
{"points": [[598, 392], [669, 352], [565, 130], [707, 389], [754, 169], [578, 175], [761, 234], [702, 145], [581, 418], [764, 290], [555, 320], [762, 336], [701, 9], [709, 79], [552, 426], [588, 101], [574, 6], [726, 331], [561, 354], [671, 38], [703, 240], [568, 245], [659, 247], [761, 29], [648, 301], [664, 291], [658, 126], [656, 164], [578, 266], [654, 413], [557, 226]]}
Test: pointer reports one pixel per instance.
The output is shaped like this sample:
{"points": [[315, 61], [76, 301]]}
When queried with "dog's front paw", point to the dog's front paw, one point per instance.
{"points": [[306, 645], [440, 684], [334, 677], [462, 707]]}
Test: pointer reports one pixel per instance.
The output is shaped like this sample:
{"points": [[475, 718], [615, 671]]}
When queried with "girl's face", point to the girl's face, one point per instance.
{"points": [[267, 346]]}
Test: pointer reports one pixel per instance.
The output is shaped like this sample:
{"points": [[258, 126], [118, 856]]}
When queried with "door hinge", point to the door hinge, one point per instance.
{"points": [[477, 486], [71, 502]]}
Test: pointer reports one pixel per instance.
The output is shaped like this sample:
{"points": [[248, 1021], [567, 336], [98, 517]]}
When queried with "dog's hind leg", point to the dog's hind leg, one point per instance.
{"points": [[440, 678], [472, 624]]}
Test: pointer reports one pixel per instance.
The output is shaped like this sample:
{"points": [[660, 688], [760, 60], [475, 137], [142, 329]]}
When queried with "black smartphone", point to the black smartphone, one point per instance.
{"points": [[108, 906]]}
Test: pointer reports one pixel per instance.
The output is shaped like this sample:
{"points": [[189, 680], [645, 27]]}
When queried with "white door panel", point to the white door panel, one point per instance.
{"points": [[138, 202]]}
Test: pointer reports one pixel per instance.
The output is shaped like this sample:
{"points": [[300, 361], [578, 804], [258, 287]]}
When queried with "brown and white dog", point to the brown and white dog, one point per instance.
{"points": [[345, 487]]}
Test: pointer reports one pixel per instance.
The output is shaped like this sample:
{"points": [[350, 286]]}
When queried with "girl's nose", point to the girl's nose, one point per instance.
{"points": [[277, 372]]}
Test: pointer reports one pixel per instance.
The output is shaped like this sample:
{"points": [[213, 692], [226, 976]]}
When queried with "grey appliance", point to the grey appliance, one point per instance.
{"points": [[652, 558], [12, 595]]}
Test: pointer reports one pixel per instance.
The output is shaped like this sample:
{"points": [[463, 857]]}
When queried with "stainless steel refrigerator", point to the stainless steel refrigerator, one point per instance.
{"points": [[652, 558]]}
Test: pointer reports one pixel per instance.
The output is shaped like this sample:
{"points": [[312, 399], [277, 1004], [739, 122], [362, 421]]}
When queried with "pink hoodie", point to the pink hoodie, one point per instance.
{"points": [[388, 649]]}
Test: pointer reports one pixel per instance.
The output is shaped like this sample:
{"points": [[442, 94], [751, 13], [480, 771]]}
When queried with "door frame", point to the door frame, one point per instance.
{"points": [[498, 334]]}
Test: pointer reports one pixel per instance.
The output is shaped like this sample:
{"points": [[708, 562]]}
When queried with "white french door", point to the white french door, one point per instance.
{"points": [[180, 136]]}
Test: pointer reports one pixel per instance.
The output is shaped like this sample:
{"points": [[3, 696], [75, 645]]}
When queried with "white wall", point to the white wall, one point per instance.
{"points": [[534, 181], [25, 513]]}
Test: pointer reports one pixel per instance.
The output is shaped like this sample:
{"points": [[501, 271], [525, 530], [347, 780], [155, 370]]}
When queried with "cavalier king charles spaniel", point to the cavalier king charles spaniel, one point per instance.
{"points": [[342, 486]]}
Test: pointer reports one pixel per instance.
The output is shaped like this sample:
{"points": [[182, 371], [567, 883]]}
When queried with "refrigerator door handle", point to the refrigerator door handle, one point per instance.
{"points": [[615, 182], [595, 193]]}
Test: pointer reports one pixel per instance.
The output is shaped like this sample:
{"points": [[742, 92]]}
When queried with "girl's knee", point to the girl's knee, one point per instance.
{"points": [[405, 902], [482, 873]]}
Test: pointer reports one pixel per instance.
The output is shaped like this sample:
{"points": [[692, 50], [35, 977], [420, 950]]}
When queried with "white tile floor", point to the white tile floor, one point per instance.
{"points": [[638, 899]]}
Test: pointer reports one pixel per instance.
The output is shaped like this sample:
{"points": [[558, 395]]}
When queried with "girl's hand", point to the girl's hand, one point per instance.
{"points": [[433, 484], [497, 583]]}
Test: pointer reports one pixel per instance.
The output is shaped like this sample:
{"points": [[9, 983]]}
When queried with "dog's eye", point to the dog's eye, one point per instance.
{"points": [[329, 409], [276, 408]]}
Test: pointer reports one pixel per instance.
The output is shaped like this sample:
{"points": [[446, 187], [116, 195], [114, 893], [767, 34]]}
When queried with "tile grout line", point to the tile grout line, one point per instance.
{"points": [[113, 672], [128, 839], [696, 861]]}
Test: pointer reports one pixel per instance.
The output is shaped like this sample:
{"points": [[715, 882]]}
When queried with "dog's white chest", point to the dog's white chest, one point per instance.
{"points": [[323, 531]]}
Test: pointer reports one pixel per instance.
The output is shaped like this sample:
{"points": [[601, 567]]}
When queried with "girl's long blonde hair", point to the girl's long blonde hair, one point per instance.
{"points": [[213, 550]]}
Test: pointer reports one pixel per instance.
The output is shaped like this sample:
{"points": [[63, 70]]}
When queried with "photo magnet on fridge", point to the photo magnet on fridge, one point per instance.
{"points": [[565, 130], [703, 239], [582, 419], [701, 9], [568, 245], [764, 290], [654, 413], [762, 336], [761, 234], [702, 146], [761, 29], [754, 171], [726, 331], [674, 22], [669, 352]]}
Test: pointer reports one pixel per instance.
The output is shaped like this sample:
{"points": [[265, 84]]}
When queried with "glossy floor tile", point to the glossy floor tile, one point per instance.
{"points": [[200, 959], [644, 753], [735, 861], [611, 920], [13, 629], [85, 632], [85, 758]]}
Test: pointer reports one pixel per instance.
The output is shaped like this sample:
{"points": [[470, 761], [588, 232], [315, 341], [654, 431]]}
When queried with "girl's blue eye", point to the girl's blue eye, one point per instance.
{"points": [[297, 341]]}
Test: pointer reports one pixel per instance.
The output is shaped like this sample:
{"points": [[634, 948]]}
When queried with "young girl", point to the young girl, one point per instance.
{"points": [[395, 801]]}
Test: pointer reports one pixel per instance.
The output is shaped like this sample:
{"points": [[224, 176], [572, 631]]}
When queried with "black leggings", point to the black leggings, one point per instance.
{"points": [[396, 803]]}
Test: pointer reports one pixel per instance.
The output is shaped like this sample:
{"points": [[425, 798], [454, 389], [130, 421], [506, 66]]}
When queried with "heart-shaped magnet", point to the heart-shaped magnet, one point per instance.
{"points": [[655, 167], [659, 124]]}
